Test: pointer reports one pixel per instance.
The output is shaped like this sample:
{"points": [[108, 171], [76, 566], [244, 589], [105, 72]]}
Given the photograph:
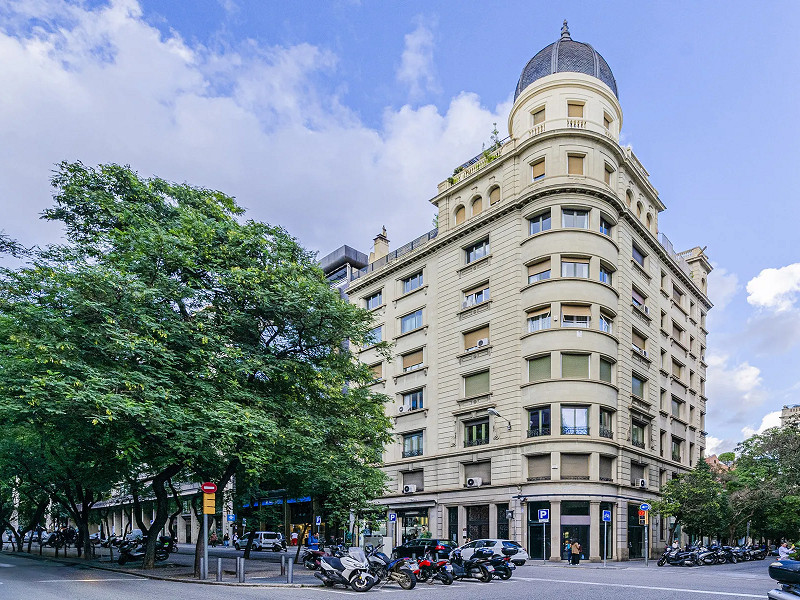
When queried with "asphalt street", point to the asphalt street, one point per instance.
{"points": [[22, 577]]}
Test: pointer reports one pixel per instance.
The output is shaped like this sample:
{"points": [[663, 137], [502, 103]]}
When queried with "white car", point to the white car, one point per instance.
{"points": [[263, 540], [497, 546]]}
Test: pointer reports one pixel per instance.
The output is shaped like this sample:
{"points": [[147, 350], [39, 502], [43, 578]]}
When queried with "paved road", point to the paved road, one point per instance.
{"points": [[46, 580]]}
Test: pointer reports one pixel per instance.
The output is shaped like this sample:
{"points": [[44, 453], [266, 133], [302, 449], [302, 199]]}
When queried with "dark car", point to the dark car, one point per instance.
{"points": [[419, 547]]}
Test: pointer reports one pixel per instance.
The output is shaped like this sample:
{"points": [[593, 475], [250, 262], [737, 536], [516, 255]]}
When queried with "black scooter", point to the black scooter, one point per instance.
{"points": [[477, 567], [678, 558], [787, 573], [503, 567], [134, 549]]}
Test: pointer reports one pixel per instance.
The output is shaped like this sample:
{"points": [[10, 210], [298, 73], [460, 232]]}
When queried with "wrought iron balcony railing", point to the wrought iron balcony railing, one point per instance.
{"points": [[606, 433], [410, 453], [477, 442], [538, 431], [574, 431]]}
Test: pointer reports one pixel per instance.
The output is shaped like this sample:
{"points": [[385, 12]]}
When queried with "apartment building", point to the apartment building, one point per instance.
{"points": [[548, 342]]}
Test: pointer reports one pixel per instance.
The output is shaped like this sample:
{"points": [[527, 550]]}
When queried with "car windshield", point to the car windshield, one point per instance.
{"points": [[511, 545]]}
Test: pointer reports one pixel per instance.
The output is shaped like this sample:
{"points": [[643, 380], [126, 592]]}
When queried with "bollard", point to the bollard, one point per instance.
{"points": [[219, 569], [240, 569], [203, 572], [290, 572], [283, 565]]}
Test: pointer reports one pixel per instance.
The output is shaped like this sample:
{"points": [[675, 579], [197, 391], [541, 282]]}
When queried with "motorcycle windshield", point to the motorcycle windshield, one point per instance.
{"points": [[357, 553]]}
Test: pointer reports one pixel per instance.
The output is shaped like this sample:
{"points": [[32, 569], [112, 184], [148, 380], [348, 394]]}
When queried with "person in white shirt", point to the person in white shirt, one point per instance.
{"points": [[784, 551]]}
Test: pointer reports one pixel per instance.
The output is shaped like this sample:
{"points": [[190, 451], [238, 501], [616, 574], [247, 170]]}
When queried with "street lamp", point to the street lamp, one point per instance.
{"points": [[494, 413]]}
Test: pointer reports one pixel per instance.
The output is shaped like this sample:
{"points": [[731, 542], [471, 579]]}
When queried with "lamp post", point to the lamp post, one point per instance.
{"points": [[494, 413]]}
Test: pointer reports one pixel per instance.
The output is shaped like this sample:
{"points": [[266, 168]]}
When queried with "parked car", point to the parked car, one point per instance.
{"points": [[497, 546], [419, 547], [263, 540]]}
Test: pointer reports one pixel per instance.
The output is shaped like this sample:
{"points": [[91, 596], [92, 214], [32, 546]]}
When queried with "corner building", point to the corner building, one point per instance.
{"points": [[548, 342]]}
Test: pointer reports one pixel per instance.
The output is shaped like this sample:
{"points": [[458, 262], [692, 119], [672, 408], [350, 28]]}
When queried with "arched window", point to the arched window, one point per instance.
{"points": [[629, 198], [494, 195], [461, 215], [639, 208], [477, 206], [649, 221]]}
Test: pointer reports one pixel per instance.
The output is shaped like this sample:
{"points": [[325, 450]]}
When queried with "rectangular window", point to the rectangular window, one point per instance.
{"points": [[375, 335], [377, 370], [540, 222], [537, 170], [375, 300], [539, 368], [539, 320], [571, 217], [607, 173], [412, 283], [638, 341], [575, 110], [677, 446], [414, 400], [606, 323], [606, 430], [477, 251], [677, 296], [676, 408], [412, 444], [677, 369], [637, 298], [605, 275], [606, 366], [575, 420], [637, 386], [412, 361], [538, 117], [539, 421], [605, 227], [476, 295], [575, 164], [476, 339], [575, 316], [411, 322], [539, 272], [476, 384], [575, 267], [476, 433], [638, 255], [575, 366], [677, 332], [637, 434], [607, 120]]}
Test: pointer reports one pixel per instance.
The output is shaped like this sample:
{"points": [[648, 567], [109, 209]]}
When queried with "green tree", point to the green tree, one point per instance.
{"points": [[727, 458], [202, 344]]}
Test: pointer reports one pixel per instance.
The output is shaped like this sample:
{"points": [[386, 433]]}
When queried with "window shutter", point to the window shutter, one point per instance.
{"points": [[538, 117], [539, 368], [605, 370], [575, 110], [539, 466], [416, 478], [539, 267], [377, 370], [413, 359], [638, 340], [471, 338], [538, 169], [480, 469], [576, 311], [539, 311], [575, 465], [477, 206], [480, 288], [494, 196], [575, 165], [575, 365], [637, 296], [676, 369], [460, 215], [477, 384], [606, 467]]}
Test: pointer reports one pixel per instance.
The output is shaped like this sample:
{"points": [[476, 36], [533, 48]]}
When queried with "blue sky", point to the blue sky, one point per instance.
{"points": [[335, 118]]}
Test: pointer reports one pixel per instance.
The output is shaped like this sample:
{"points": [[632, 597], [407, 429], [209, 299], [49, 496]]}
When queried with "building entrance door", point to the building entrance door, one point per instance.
{"points": [[478, 522], [635, 533], [536, 531]]}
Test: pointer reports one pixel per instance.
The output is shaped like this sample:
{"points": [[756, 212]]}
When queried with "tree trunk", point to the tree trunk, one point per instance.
{"points": [[300, 543], [161, 516]]}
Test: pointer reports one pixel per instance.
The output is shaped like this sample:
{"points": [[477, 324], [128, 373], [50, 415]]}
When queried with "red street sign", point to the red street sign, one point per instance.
{"points": [[208, 487], [641, 512]]}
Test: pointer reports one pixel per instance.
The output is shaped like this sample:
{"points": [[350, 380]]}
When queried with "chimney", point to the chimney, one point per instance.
{"points": [[381, 247]]}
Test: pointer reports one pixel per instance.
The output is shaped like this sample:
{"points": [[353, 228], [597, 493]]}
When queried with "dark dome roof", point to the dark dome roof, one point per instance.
{"points": [[566, 55]]}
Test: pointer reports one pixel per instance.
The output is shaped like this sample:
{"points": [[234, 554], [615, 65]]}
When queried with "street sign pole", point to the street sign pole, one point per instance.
{"points": [[605, 542], [204, 570], [646, 537], [209, 508], [544, 542]]}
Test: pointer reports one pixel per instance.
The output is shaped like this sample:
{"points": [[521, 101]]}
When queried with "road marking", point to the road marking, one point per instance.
{"points": [[89, 580], [643, 587], [5, 565]]}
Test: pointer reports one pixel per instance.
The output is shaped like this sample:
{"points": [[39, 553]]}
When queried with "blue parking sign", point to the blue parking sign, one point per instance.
{"points": [[607, 516], [231, 518], [319, 520], [392, 517], [544, 515]]}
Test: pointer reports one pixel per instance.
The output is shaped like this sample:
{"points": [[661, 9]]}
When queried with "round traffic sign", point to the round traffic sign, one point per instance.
{"points": [[644, 506], [208, 487]]}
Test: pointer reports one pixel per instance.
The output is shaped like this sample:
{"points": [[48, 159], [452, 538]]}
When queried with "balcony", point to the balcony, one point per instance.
{"points": [[539, 478], [574, 431], [606, 433], [676, 456], [575, 477], [538, 431], [638, 444], [410, 453], [477, 442], [576, 123]]}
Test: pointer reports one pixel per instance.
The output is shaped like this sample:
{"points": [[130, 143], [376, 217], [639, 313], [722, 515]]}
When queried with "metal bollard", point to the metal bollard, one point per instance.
{"points": [[202, 568], [240, 569], [283, 565], [290, 572], [219, 569]]}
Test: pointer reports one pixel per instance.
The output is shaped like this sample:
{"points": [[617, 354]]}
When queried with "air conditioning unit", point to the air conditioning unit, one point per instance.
{"points": [[404, 408], [643, 483], [474, 482], [483, 342], [644, 353], [409, 489], [468, 302]]}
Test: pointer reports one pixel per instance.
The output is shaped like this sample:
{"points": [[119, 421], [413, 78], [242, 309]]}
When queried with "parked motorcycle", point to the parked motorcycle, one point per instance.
{"points": [[311, 559], [678, 557], [134, 549], [351, 570], [503, 568], [397, 569], [431, 569], [476, 567], [787, 573]]}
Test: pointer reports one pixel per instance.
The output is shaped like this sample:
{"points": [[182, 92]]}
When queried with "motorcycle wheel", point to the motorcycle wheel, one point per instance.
{"points": [[406, 578], [662, 561], [362, 583], [486, 576], [447, 579], [122, 560], [504, 574], [423, 576]]}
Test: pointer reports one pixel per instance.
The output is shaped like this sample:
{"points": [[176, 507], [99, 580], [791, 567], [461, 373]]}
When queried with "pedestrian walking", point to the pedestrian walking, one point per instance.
{"points": [[567, 553], [295, 535], [576, 552], [226, 540]]}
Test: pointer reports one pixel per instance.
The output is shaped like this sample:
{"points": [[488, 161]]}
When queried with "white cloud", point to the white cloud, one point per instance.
{"points": [[722, 287], [772, 419], [416, 69], [775, 289], [260, 123], [716, 445], [734, 389]]}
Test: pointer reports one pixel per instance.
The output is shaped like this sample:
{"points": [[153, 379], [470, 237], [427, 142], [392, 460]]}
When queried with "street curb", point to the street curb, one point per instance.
{"points": [[66, 561]]}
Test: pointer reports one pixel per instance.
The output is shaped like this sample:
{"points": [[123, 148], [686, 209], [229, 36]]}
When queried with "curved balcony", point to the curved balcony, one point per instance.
{"points": [[569, 289], [565, 338], [572, 241], [569, 391]]}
